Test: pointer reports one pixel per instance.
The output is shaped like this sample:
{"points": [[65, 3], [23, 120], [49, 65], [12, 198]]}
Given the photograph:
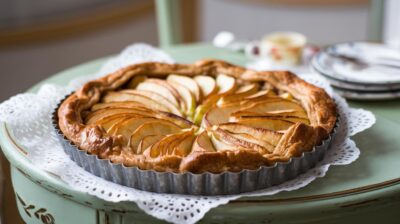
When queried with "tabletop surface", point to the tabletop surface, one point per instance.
{"points": [[379, 162]]}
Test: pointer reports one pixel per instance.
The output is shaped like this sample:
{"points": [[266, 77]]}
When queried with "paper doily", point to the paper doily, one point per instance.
{"points": [[29, 118]]}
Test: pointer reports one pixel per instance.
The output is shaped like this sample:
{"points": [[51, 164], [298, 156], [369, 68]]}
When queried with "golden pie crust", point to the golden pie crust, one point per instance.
{"points": [[298, 138]]}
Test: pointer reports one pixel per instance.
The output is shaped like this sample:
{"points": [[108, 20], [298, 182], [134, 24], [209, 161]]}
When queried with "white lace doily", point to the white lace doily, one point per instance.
{"points": [[28, 116]]}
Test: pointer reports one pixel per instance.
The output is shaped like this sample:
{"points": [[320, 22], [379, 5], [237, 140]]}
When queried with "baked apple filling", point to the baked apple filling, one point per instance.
{"points": [[210, 116], [177, 115]]}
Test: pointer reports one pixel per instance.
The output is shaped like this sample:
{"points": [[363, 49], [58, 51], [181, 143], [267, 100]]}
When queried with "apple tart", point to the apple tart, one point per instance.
{"points": [[207, 117]]}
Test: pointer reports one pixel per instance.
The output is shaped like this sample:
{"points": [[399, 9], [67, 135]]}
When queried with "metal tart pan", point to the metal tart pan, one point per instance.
{"points": [[225, 183]]}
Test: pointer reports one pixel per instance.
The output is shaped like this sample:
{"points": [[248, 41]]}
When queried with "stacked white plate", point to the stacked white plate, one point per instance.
{"points": [[360, 70]]}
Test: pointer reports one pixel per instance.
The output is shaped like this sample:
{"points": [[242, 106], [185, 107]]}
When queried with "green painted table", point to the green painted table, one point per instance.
{"points": [[366, 191]]}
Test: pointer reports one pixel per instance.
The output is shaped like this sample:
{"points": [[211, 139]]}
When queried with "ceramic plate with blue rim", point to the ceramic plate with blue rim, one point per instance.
{"points": [[346, 70]]}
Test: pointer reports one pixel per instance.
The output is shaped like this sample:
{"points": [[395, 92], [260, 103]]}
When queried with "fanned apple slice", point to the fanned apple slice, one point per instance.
{"points": [[275, 105], [291, 119], [187, 96], [134, 82], [162, 88], [107, 122], [152, 128], [184, 147], [124, 108], [262, 95], [157, 149], [128, 126], [154, 96], [243, 140], [226, 84], [276, 113], [201, 110], [122, 97], [207, 85], [266, 123], [163, 147], [98, 115], [240, 94], [284, 118], [265, 147], [182, 122], [147, 141], [220, 144], [112, 129], [174, 92], [203, 143], [127, 104], [272, 137], [219, 115], [189, 83]]}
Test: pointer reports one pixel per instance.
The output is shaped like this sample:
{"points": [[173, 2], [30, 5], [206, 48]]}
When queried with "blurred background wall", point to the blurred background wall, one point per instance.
{"points": [[39, 38], [96, 30], [323, 22]]}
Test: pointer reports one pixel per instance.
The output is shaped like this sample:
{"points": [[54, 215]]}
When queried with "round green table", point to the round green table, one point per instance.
{"points": [[366, 191]]}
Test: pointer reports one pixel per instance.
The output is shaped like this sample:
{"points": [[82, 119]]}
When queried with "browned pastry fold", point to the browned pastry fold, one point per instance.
{"points": [[299, 137]]}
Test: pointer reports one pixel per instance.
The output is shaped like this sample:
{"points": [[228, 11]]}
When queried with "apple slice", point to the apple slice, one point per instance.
{"points": [[134, 82], [119, 109], [274, 116], [147, 141], [188, 83], [127, 104], [152, 128], [220, 145], [265, 147], [187, 96], [112, 129], [107, 122], [203, 108], [266, 123], [247, 90], [203, 143], [184, 146], [275, 105], [226, 84], [261, 95], [207, 85], [276, 113], [155, 105], [162, 88], [157, 149], [127, 128], [100, 114], [139, 109], [243, 140], [218, 115], [129, 125], [154, 96], [272, 137], [124, 97], [103, 113], [163, 147], [240, 94], [182, 122]]}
